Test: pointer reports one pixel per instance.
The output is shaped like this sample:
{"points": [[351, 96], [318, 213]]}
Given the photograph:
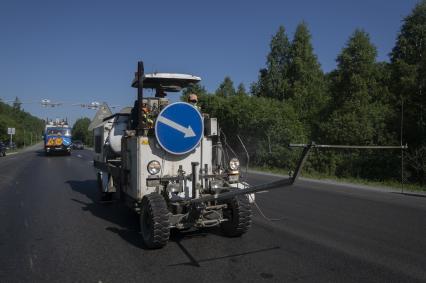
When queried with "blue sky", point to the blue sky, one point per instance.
{"points": [[83, 51]]}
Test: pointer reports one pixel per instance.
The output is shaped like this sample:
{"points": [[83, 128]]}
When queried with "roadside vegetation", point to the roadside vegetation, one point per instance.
{"points": [[28, 129], [80, 131], [361, 102]]}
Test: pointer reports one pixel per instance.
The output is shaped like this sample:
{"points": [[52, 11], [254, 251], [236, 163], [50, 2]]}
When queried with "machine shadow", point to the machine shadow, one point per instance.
{"points": [[410, 194], [127, 220], [114, 212], [178, 236], [125, 223]]}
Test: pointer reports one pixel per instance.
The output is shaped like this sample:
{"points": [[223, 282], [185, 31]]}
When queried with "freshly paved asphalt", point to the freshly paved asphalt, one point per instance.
{"points": [[53, 229]]}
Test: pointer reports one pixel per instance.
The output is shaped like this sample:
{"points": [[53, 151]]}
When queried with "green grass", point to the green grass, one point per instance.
{"points": [[319, 176]]}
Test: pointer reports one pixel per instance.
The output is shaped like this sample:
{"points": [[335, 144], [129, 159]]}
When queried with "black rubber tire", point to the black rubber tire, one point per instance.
{"points": [[238, 214], [154, 221]]}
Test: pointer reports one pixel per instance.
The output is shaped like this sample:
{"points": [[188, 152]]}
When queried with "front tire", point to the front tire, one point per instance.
{"points": [[238, 214], [154, 220]]}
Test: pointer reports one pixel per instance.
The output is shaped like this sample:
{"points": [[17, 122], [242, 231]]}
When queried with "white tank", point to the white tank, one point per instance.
{"points": [[119, 125]]}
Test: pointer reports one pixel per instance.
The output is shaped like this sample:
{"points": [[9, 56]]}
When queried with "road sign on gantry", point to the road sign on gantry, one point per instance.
{"points": [[179, 128]]}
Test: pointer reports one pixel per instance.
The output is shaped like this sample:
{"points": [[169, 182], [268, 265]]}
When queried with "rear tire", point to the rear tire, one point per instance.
{"points": [[154, 220], [238, 214]]}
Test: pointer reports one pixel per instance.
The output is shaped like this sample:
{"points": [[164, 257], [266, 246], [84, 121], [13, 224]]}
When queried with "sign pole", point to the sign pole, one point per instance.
{"points": [[141, 120]]}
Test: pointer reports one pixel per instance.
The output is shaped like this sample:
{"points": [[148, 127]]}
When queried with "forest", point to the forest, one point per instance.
{"points": [[361, 102], [28, 129]]}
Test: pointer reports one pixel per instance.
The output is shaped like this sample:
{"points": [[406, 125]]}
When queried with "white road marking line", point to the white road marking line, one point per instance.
{"points": [[79, 156], [262, 192]]}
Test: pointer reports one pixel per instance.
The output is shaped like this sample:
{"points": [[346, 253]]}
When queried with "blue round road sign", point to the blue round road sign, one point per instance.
{"points": [[179, 128]]}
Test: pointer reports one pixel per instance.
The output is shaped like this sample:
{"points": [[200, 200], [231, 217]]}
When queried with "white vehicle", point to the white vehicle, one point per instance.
{"points": [[167, 162]]}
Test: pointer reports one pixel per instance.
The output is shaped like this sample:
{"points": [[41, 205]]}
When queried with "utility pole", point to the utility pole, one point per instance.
{"points": [[402, 151]]}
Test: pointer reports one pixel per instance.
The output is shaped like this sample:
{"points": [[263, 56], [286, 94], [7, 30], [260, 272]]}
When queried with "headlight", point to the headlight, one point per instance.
{"points": [[234, 164], [154, 167]]}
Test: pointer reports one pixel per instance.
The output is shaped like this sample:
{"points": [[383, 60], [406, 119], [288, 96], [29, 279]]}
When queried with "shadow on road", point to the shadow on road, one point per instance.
{"points": [[114, 212], [410, 194], [126, 224], [119, 215], [177, 237]]}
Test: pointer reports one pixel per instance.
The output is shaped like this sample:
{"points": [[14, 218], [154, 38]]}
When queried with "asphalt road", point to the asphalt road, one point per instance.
{"points": [[53, 229]]}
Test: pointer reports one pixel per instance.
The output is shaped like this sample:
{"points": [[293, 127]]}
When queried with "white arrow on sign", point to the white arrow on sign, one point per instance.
{"points": [[189, 133]]}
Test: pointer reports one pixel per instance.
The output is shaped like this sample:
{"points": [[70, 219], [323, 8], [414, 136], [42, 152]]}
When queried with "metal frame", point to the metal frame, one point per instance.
{"points": [[289, 181]]}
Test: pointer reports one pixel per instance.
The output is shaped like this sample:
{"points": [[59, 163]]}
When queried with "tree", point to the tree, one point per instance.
{"points": [[306, 80], [273, 80], [266, 126], [81, 132], [360, 104], [359, 108], [17, 104], [408, 60], [28, 128], [226, 88], [197, 89], [241, 90]]}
